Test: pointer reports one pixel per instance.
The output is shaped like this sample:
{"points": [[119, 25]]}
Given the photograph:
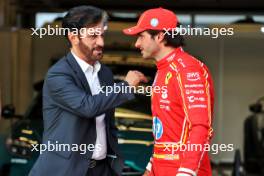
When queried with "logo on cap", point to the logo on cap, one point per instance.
{"points": [[154, 22]]}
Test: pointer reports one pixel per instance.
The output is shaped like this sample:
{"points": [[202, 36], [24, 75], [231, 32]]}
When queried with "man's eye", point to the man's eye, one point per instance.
{"points": [[93, 36]]}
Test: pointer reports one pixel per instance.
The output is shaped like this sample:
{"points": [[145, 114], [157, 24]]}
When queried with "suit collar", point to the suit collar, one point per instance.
{"points": [[102, 77], [78, 71], [85, 66]]}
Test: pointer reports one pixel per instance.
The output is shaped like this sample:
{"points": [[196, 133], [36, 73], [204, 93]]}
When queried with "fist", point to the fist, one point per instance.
{"points": [[135, 77]]}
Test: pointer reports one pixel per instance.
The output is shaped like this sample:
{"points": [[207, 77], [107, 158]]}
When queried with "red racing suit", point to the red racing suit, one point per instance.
{"points": [[182, 108]]}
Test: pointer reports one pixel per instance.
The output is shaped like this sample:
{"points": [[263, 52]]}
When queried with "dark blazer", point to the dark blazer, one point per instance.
{"points": [[69, 112]]}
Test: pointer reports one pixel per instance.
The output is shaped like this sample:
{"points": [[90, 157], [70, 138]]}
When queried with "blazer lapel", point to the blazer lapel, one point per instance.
{"points": [[78, 71], [103, 83], [102, 78]]}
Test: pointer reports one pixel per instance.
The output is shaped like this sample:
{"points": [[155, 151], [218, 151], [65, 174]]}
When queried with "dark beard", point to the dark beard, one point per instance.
{"points": [[88, 52]]}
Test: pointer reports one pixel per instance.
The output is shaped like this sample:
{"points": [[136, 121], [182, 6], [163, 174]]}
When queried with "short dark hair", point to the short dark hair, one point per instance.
{"points": [[82, 16], [170, 40]]}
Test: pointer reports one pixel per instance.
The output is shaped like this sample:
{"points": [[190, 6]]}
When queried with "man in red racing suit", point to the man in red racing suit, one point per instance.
{"points": [[182, 101], [182, 114]]}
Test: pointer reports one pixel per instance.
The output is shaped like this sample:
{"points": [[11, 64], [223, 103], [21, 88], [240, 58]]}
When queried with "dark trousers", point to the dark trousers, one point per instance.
{"points": [[102, 168]]}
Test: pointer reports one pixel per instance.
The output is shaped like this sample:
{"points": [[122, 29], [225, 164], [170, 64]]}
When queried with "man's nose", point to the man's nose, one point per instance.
{"points": [[100, 41], [137, 44]]}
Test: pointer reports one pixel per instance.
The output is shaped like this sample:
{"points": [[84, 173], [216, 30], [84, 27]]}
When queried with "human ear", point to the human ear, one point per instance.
{"points": [[73, 38], [160, 37]]}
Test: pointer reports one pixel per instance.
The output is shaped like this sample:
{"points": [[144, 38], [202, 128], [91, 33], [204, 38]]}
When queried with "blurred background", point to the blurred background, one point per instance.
{"points": [[236, 63]]}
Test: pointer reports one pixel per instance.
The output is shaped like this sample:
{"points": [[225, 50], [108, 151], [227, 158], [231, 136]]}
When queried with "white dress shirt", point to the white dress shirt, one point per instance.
{"points": [[91, 74]]}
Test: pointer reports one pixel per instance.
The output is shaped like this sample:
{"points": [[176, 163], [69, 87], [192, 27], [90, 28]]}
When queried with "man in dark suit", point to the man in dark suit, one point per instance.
{"points": [[76, 111]]}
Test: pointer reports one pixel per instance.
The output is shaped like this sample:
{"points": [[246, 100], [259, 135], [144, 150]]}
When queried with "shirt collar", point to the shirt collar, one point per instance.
{"points": [[85, 66]]}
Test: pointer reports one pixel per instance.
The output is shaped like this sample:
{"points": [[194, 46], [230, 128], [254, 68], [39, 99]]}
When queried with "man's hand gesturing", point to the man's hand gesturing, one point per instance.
{"points": [[135, 77]]}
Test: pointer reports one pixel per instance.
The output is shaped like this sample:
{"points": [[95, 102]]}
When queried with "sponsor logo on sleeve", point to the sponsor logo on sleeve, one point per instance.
{"points": [[191, 91], [197, 106], [157, 128], [193, 85], [165, 101], [181, 62], [167, 108], [193, 76], [168, 77], [193, 99], [164, 95], [170, 58]]}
